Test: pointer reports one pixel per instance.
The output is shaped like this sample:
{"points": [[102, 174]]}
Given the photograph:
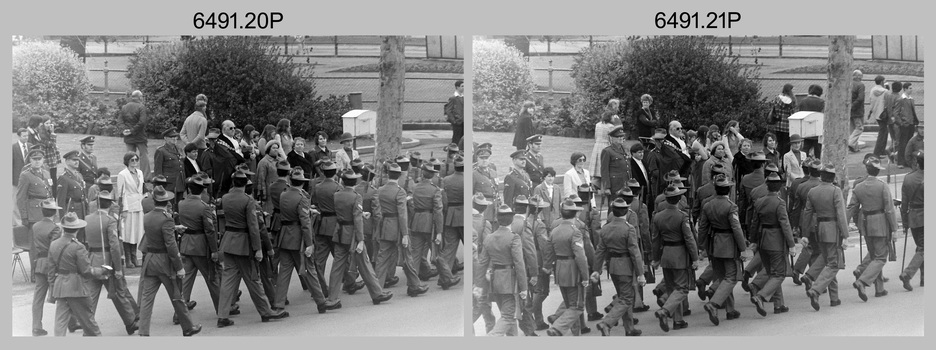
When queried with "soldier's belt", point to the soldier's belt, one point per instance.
{"points": [[98, 249], [501, 267], [235, 229], [345, 223], [157, 251], [42, 255], [328, 213], [916, 207], [189, 231], [722, 230], [673, 243], [872, 212], [288, 223], [619, 255], [388, 215], [63, 272], [825, 219], [38, 197], [769, 226], [423, 210], [455, 204], [559, 257], [276, 211]]}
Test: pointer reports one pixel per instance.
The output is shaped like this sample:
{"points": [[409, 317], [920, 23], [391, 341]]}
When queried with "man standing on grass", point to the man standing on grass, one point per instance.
{"points": [[133, 118]]}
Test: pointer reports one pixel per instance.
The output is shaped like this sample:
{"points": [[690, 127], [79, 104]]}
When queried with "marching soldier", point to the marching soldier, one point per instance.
{"points": [[484, 179], [824, 216], [674, 249], [481, 228], [276, 189], [427, 227], [756, 265], [637, 217], [240, 244], [448, 166], [167, 160], [266, 266], [590, 222], [44, 233], [199, 243], [540, 286], [721, 235], [365, 187], [867, 258], [71, 190], [615, 164], [911, 212], [773, 237], [747, 184], [87, 161], [872, 198], [811, 251], [502, 259], [72, 268], [349, 242], [520, 227], [389, 203], [453, 224], [323, 198], [619, 246], [294, 241], [568, 260], [534, 165], [517, 182], [162, 265], [105, 248]]}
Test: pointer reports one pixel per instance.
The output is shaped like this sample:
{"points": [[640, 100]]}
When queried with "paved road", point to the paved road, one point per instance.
{"points": [[899, 313]]}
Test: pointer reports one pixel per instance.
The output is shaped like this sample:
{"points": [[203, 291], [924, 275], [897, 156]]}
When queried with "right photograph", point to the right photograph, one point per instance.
{"points": [[697, 185]]}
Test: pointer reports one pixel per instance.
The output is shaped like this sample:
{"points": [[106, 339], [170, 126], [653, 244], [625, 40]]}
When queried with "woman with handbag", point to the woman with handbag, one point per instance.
{"points": [[130, 192], [778, 117]]}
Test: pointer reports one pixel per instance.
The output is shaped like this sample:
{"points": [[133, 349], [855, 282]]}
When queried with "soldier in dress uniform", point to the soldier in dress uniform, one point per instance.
{"points": [[674, 249], [276, 189], [654, 161], [484, 179], [911, 212], [517, 182], [389, 203], [619, 246], [323, 198], [448, 166], [427, 227], [859, 217], [199, 243], [71, 190], [872, 198], [773, 237], [534, 165], [756, 266], [567, 252], [162, 265], [637, 216], [294, 241], [615, 164], [349, 241], [453, 224], [87, 161], [105, 248], [240, 244], [590, 223], [167, 160], [73, 268], [481, 228], [365, 187], [502, 260], [811, 253], [660, 203], [44, 233], [520, 227], [824, 216], [539, 288], [721, 235]]}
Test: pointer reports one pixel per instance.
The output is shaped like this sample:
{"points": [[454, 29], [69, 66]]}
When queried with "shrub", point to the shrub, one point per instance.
{"points": [[502, 81], [596, 72], [245, 81], [48, 80]]}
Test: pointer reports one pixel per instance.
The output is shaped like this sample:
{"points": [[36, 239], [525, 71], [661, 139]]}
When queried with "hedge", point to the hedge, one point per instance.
{"points": [[502, 81]]}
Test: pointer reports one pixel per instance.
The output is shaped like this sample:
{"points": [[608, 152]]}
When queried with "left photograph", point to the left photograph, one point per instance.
{"points": [[238, 185]]}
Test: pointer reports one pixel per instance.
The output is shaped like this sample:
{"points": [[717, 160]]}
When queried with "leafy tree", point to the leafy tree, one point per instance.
{"points": [[502, 81], [49, 80]]}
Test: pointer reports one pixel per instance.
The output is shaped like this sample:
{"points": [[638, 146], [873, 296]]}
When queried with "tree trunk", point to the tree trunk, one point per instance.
{"points": [[390, 98], [836, 123]]}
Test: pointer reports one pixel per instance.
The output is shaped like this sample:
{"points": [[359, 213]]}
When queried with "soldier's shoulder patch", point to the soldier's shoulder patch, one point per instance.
{"points": [[306, 210], [580, 244]]}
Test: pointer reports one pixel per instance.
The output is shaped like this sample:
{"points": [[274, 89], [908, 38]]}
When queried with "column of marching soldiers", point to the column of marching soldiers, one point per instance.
{"points": [[404, 212], [526, 234]]}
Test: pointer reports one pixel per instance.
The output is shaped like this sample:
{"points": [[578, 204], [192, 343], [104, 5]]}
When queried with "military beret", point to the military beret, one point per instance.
{"points": [[70, 155], [71, 221], [620, 203], [569, 204], [774, 177], [505, 209], [673, 191], [394, 168], [479, 199], [518, 154], [161, 195], [535, 139], [36, 154], [49, 203], [350, 174], [521, 199], [87, 140], [170, 133], [283, 165], [297, 174], [617, 131], [633, 183]]}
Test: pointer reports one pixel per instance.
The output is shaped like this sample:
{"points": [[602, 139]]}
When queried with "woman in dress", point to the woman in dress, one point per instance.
{"points": [[524, 125], [576, 176], [647, 121], [130, 196], [602, 128], [780, 110], [284, 136]]}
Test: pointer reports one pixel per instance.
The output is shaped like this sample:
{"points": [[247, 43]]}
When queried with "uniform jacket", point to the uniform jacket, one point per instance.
{"points": [[567, 251], [34, 186], [503, 255], [44, 233], [71, 193], [367, 191], [481, 228], [427, 204], [798, 198], [520, 227], [350, 213], [672, 226], [720, 229], [483, 181], [87, 167], [911, 206], [296, 218], [74, 268], [133, 116], [389, 203], [752, 197], [167, 161], [770, 224], [534, 167], [615, 167], [702, 194], [454, 199], [162, 253], [540, 233], [200, 237], [872, 198], [102, 225], [619, 246], [323, 197], [242, 232], [551, 213], [641, 221], [823, 202], [517, 182]]}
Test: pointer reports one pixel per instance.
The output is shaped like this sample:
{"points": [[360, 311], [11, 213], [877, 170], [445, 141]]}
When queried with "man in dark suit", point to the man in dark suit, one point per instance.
{"points": [[167, 161], [87, 161], [219, 162], [298, 157], [71, 191], [812, 103], [455, 111], [133, 119], [534, 164], [653, 160], [20, 154], [639, 169], [675, 151], [615, 165]]}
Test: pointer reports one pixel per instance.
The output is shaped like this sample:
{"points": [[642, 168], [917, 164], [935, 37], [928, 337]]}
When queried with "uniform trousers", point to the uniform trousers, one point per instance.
{"points": [[268, 276], [877, 251], [916, 263], [804, 258], [726, 270], [481, 307], [200, 264], [290, 260], [39, 299], [571, 318], [834, 259], [755, 265], [344, 258], [451, 235], [80, 309], [387, 259], [323, 246], [123, 304], [527, 323], [507, 323], [775, 266], [677, 282], [418, 250], [622, 306], [237, 267], [149, 286], [540, 292]]}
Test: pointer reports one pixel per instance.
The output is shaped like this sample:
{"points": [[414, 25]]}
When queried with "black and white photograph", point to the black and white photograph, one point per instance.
{"points": [[275, 185], [685, 185]]}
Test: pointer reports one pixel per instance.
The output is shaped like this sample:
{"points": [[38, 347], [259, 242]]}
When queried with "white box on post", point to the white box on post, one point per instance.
{"points": [[360, 122], [807, 124]]}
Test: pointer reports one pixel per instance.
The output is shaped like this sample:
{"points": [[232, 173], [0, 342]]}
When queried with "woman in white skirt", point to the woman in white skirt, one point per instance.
{"points": [[609, 119], [130, 192]]}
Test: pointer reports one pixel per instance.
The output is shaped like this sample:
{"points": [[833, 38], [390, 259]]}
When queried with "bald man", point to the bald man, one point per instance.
{"points": [[133, 118], [227, 136]]}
